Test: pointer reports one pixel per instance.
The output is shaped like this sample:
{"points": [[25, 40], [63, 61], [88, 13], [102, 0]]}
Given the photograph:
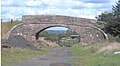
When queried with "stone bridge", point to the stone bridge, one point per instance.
{"points": [[33, 24]]}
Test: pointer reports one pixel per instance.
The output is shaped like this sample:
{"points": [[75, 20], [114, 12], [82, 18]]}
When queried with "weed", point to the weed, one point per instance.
{"points": [[89, 56]]}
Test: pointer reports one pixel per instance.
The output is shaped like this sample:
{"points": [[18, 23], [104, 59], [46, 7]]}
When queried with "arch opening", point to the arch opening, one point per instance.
{"points": [[59, 35]]}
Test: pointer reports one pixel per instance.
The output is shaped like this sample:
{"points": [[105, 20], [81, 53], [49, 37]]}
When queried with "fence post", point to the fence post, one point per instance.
{"points": [[1, 20], [11, 21]]}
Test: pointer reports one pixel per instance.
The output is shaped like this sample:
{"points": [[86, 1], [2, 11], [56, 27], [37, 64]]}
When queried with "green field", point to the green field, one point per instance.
{"points": [[92, 56]]}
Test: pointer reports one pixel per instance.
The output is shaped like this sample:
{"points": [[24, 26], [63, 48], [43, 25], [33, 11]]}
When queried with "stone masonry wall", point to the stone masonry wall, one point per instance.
{"points": [[84, 27]]}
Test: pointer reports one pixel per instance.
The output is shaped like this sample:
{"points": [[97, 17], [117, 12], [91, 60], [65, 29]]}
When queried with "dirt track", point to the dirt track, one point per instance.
{"points": [[56, 57]]}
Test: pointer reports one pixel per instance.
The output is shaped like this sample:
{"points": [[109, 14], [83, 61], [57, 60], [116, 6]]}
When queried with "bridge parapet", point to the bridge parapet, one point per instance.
{"points": [[56, 19]]}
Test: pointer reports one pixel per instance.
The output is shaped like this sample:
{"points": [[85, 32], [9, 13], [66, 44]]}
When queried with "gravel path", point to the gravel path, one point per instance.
{"points": [[56, 57]]}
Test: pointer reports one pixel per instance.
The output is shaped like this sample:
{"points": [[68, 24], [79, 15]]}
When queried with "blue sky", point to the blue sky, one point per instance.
{"points": [[76, 8], [57, 28]]}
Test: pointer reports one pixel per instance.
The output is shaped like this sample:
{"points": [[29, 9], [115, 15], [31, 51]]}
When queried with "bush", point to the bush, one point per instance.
{"points": [[68, 43], [117, 39], [113, 39]]}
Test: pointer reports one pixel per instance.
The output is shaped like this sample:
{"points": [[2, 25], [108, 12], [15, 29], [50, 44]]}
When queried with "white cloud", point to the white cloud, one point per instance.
{"points": [[42, 11], [77, 8], [33, 2], [7, 2], [69, 12], [29, 11]]}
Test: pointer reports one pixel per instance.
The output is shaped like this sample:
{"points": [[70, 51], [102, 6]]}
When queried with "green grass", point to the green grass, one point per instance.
{"points": [[6, 26], [68, 43], [13, 54], [84, 56]]}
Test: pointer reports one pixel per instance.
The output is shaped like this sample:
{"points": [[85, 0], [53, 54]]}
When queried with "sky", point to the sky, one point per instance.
{"points": [[58, 28], [13, 9]]}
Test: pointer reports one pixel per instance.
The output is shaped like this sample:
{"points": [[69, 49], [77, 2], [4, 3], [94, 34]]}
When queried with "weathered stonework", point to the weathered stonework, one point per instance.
{"points": [[33, 24]]}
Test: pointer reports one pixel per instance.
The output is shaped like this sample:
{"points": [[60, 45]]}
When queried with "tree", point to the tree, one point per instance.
{"points": [[112, 20], [116, 11]]}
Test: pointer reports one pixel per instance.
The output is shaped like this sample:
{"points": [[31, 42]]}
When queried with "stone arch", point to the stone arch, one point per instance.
{"points": [[84, 27]]}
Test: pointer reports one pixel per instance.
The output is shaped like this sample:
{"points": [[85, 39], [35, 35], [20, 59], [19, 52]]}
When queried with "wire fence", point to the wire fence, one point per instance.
{"points": [[11, 20]]}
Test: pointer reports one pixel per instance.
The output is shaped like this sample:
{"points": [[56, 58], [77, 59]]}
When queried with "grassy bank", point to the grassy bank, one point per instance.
{"points": [[95, 55], [6, 26], [9, 55]]}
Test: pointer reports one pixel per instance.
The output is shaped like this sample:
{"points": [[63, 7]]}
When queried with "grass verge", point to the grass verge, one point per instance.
{"points": [[6, 26], [90, 56], [9, 55]]}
